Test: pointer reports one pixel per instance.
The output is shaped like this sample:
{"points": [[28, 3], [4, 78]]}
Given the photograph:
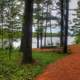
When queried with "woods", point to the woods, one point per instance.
{"points": [[36, 33], [42, 13]]}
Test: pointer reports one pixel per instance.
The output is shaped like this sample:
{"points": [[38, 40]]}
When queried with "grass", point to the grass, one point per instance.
{"points": [[11, 69]]}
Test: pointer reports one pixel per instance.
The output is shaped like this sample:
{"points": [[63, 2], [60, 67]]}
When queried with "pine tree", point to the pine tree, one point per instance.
{"points": [[27, 32]]}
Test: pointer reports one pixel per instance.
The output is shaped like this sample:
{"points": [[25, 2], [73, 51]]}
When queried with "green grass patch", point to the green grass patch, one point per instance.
{"points": [[11, 69]]}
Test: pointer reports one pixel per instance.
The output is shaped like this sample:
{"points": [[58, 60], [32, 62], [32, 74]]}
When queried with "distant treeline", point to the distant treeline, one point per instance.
{"points": [[17, 34], [47, 34]]}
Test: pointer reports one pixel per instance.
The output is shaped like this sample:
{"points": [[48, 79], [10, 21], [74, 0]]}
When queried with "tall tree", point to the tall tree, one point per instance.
{"points": [[66, 25], [62, 22], [26, 45]]}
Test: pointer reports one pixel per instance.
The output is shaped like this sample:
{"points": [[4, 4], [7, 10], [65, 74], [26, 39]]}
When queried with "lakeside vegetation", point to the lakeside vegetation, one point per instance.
{"points": [[11, 68], [18, 34], [77, 39]]}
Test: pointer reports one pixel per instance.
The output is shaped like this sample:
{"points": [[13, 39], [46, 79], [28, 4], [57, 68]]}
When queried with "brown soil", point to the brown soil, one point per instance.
{"points": [[65, 69], [74, 48], [43, 50]]}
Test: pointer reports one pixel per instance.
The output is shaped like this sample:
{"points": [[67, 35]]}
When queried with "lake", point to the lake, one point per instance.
{"points": [[55, 40]]}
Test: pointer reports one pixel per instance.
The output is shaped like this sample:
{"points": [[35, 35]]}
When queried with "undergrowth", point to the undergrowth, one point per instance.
{"points": [[11, 68]]}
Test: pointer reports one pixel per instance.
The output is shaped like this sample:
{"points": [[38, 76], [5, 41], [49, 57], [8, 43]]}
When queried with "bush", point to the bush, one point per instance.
{"points": [[77, 39]]}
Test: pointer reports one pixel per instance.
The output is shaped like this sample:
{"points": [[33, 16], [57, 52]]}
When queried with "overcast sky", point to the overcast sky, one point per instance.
{"points": [[72, 5]]}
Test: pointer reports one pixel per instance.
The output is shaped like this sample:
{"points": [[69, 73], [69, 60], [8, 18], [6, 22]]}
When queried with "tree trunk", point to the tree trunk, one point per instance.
{"points": [[45, 34], [2, 21], [26, 43], [50, 21], [38, 27], [66, 26], [62, 23], [41, 33], [38, 33], [41, 36]]}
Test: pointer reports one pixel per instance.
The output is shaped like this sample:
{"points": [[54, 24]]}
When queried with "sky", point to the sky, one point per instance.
{"points": [[72, 5]]}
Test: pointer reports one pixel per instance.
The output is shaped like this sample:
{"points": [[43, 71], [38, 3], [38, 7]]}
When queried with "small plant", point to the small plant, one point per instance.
{"points": [[77, 39]]}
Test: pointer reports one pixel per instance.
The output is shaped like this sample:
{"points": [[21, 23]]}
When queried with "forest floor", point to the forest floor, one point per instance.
{"points": [[67, 68], [12, 69]]}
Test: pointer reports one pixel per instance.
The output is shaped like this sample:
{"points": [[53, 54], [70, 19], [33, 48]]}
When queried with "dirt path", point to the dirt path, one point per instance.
{"points": [[65, 69], [74, 49], [47, 50]]}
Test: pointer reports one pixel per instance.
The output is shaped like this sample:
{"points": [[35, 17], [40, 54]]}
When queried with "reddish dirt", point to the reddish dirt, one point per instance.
{"points": [[44, 50], [65, 69], [74, 49]]}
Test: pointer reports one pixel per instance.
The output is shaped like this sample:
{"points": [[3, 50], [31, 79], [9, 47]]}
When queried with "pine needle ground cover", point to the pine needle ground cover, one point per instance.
{"points": [[11, 68]]}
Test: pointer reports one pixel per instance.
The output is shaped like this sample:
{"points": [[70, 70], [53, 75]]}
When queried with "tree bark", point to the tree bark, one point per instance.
{"points": [[38, 33], [66, 26], [62, 23], [26, 43], [45, 34]]}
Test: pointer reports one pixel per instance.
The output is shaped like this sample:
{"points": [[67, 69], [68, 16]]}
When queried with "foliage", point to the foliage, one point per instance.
{"points": [[18, 34], [11, 17], [10, 68], [76, 27], [77, 39]]}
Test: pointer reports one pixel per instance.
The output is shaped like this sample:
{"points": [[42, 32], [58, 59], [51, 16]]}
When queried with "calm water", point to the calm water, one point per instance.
{"points": [[55, 40]]}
